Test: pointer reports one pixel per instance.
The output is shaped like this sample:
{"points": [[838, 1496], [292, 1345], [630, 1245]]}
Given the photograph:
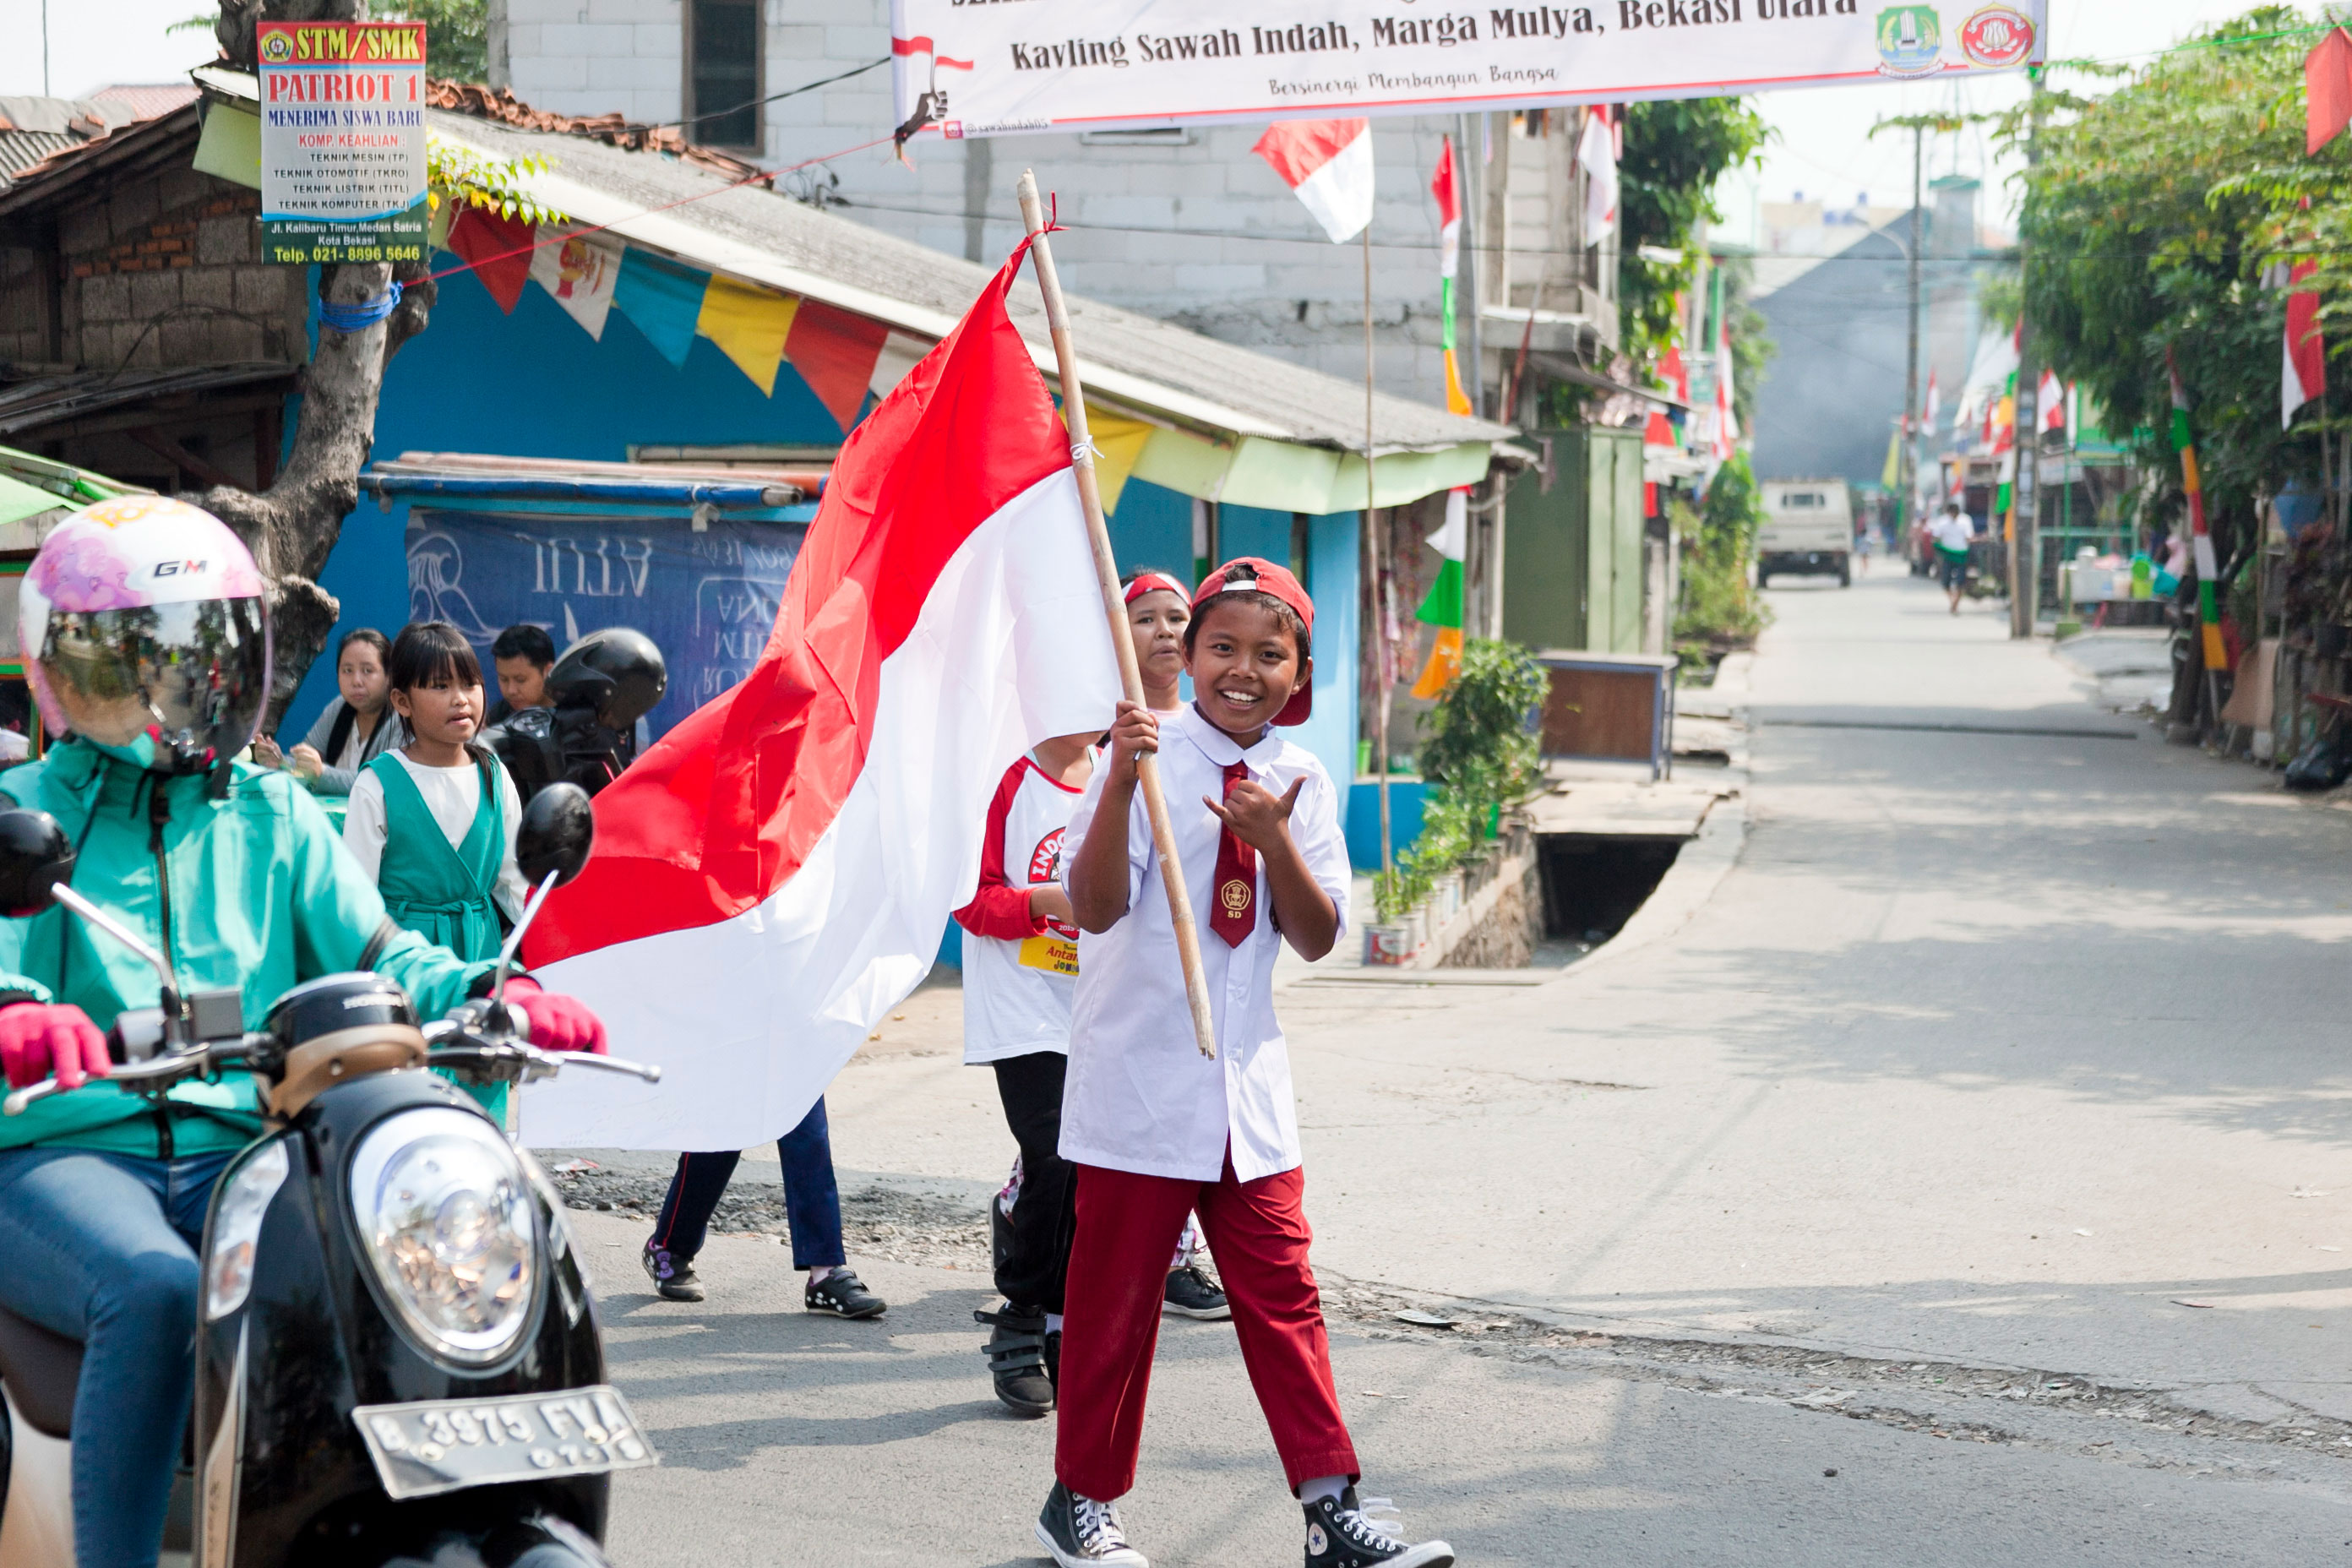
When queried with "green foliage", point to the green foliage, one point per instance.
{"points": [[2147, 223], [457, 34], [1720, 604], [1675, 151], [1479, 754], [1478, 744], [458, 175]]}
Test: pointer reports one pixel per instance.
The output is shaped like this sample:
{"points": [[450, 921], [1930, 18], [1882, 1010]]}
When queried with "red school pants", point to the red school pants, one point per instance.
{"points": [[1127, 1225]]}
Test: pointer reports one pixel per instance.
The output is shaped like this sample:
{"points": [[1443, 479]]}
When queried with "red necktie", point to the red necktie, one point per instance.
{"points": [[1234, 886]]}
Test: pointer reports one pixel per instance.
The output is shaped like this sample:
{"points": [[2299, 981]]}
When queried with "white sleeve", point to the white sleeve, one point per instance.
{"points": [[364, 823], [513, 893], [1139, 833], [1315, 829]]}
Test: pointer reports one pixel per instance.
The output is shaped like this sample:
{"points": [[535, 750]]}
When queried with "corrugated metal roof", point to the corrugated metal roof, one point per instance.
{"points": [[50, 399], [21, 150], [1132, 359]]}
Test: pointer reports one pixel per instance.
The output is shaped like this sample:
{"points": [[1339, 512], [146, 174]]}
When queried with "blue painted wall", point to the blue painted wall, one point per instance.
{"points": [[533, 385]]}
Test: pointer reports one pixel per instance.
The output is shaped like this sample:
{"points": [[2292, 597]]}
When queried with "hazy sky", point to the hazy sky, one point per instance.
{"points": [[1824, 148]]}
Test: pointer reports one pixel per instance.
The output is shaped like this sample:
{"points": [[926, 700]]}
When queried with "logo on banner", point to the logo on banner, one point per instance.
{"points": [[1910, 40], [1998, 35], [277, 49]]}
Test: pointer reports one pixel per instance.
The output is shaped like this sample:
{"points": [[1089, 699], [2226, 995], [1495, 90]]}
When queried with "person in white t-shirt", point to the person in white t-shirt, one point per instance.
{"points": [[1952, 532], [1157, 1127], [1020, 967]]}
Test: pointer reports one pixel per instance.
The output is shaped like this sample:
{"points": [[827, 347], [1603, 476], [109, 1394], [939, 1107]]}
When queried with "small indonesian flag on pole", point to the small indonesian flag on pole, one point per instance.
{"points": [[2304, 375], [1330, 164], [1596, 155], [775, 874], [1441, 606], [2201, 540], [2051, 400], [1444, 186], [1933, 414]]}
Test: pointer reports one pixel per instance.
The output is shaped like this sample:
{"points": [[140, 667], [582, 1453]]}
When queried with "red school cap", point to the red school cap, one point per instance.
{"points": [[1156, 583], [1251, 573]]}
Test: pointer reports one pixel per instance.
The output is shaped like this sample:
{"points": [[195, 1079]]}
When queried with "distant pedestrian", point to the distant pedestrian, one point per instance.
{"points": [[812, 1214], [1158, 1129], [1952, 534], [355, 727], [522, 656]]}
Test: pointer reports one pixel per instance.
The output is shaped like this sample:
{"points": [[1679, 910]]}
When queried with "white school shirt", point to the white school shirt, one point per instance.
{"points": [[1017, 989], [452, 795], [1140, 1096]]}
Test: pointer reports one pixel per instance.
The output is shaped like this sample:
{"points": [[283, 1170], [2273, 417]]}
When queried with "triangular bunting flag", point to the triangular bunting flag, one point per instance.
{"points": [[664, 299], [499, 249], [579, 272], [835, 351], [750, 325]]}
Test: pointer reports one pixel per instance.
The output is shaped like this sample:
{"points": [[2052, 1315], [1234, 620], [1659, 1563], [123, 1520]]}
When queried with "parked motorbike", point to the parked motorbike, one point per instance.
{"points": [[397, 1357]]}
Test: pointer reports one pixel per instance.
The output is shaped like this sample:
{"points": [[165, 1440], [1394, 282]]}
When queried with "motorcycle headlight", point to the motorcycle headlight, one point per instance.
{"points": [[444, 1213]]}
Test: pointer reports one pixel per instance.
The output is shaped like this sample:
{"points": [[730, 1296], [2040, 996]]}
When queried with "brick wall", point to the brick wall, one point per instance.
{"points": [[167, 270]]}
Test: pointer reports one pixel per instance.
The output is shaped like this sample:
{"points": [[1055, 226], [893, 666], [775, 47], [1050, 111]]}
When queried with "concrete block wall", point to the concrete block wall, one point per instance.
{"points": [[167, 270], [1201, 232], [23, 307]]}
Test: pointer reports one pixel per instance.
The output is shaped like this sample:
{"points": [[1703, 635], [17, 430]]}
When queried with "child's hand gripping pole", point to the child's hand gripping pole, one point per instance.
{"points": [[1130, 677]]}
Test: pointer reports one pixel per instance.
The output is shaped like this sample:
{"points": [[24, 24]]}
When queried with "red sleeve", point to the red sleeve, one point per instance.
{"points": [[998, 909]]}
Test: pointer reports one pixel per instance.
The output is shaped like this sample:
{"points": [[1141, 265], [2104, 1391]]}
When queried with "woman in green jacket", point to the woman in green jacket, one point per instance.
{"points": [[147, 643]]}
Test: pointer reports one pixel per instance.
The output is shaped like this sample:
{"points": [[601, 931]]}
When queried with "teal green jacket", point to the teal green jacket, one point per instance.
{"points": [[260, 897]]}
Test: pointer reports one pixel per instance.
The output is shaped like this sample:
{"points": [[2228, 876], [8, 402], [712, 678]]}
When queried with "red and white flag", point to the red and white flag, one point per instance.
{"points": [[1933, 414], [2304, 375], [1596, 155], [2052, 398], [775, 874], [1330, 164]]}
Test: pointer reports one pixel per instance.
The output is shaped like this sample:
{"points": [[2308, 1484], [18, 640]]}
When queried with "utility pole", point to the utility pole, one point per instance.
{"points": [[2024, 546], [1908, 470]]}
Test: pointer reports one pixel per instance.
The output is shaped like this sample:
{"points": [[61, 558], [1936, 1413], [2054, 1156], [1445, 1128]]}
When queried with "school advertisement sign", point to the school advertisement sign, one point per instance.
{"points": [[343, 141], [995, 68]]}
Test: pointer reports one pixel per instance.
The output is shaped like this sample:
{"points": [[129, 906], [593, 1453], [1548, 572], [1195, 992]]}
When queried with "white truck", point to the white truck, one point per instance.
{"points": [[1807, 531]]}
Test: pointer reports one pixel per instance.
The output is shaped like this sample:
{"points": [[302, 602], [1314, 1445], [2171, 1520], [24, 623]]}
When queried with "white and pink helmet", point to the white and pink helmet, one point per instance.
{"points": [[145, 631]]}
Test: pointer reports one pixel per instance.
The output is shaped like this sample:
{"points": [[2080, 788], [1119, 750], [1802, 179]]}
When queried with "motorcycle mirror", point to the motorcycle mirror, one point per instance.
{"points": [[35, 857], [557, 830]]}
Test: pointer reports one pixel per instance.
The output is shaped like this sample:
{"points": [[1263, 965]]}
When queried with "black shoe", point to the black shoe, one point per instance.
{"points": [[1083, 1533], [1192, 1292], [842, 1294], [672, 1276], [1016, 1359], [1340, 1534]]}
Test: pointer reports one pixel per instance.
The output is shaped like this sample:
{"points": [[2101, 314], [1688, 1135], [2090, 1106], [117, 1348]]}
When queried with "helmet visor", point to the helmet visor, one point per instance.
{"points": [[192, 675]]}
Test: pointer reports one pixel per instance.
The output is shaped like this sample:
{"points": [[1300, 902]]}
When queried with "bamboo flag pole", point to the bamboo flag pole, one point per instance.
{"points": [[1122, 641]]}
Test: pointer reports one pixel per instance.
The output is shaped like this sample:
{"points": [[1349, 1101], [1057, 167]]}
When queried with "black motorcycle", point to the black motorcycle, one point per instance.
{"points": [[397, 1356]]}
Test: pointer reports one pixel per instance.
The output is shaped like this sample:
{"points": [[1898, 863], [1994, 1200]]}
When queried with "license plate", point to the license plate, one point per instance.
{"points": [[446, 1445]]}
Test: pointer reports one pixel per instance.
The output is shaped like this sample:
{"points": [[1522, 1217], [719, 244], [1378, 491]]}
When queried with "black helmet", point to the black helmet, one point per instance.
{"points": [[617, 674]]}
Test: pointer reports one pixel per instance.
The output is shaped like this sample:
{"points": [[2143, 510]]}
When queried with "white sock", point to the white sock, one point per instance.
{"points": [[1321, 1487], [818, 1275], [1053, 1322]]}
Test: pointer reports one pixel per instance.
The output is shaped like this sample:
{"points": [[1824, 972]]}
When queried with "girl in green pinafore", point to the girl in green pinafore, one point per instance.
{"points": [[434, 821]]}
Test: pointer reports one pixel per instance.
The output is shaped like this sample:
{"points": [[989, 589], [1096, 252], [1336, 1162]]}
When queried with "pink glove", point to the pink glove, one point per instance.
{"points": [[557, 1023], [35, 1036]]}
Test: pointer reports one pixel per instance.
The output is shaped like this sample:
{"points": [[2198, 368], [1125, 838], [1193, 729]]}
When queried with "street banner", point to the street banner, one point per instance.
{"points": [[343, 141], [1094, 65]]}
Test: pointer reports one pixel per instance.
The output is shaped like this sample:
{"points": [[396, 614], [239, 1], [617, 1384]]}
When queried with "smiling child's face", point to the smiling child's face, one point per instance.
{"points": [[1245, 664]]}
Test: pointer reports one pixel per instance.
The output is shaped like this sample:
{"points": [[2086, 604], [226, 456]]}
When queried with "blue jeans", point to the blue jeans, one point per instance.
{"points": [[102, 1249], [811, 1201]]}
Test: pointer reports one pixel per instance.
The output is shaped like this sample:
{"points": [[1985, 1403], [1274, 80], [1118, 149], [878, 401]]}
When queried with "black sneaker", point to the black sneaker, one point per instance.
{"points": [[672, 1276], [1016, 1359], [842, 1294], [1192, 1292], [1340, 1534], [1083, 1533]]}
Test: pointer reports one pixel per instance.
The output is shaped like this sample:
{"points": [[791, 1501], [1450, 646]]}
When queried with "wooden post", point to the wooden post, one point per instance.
{"points": [[1122, 640]]}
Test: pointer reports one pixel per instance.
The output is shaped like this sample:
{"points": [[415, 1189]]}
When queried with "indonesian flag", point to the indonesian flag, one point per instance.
{"points": [[1596, 155], [1441, 606], [1330, 164], [1934, 410], [2051, 402], [2304, 374], [776, 873], [1443, 188], [1726, 416]]}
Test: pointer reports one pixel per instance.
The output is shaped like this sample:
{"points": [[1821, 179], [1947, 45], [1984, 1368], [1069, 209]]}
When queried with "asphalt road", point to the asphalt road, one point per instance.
{"points": [[1966, 1117]]}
